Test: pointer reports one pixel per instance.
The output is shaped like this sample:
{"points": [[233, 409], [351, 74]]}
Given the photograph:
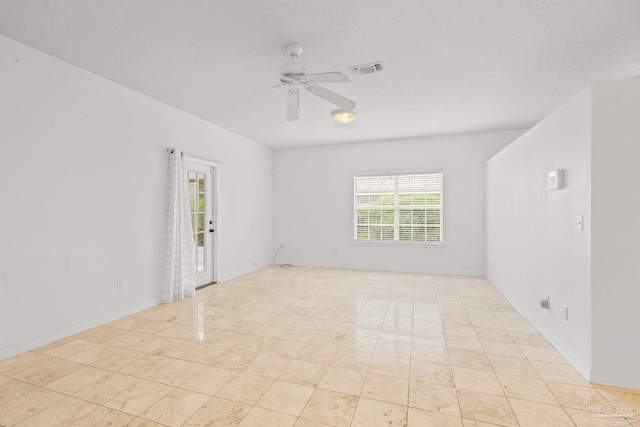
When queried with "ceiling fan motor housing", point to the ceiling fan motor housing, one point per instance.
{"points": [[292, 71]]}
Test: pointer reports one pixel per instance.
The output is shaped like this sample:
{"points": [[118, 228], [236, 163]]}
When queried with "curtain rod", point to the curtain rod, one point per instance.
{"points": [[211, 162]]}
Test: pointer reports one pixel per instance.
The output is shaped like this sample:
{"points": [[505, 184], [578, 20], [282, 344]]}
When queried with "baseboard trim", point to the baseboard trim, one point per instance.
{"points": [[67, 332], [616, 381], [575, 361]]}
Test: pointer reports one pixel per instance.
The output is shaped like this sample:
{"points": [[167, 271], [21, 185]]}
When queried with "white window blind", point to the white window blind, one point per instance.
{"points": [[398, 208]]}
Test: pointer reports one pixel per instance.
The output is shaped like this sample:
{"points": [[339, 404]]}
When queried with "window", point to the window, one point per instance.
{"points": [[398, 208]]}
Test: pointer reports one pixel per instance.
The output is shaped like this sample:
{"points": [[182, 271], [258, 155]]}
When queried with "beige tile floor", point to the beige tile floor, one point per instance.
{"points": [[308, 347]]}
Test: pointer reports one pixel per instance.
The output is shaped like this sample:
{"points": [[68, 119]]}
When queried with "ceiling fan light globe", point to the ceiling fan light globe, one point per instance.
{"points": [[343, 116]]}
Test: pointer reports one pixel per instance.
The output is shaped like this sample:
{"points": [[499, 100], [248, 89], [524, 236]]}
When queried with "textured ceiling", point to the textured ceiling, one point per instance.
{"points": [[450, 66]]}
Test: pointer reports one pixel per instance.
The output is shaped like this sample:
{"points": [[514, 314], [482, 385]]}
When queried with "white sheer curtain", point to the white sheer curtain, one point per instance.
{"points": [[178, 279]]}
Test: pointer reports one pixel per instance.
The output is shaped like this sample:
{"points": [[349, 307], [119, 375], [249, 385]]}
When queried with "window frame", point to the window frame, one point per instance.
{"points": [[397, 207]]}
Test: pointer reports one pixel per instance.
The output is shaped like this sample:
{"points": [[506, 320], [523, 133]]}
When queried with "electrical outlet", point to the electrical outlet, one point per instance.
{"points": [[565, 311], [119, 287], [544, 303]]}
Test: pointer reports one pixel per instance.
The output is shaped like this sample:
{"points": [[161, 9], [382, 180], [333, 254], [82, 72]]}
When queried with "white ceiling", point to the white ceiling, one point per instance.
{"points": [[450, 66]]}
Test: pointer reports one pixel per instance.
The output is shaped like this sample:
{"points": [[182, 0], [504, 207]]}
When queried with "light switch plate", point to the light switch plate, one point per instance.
{"points": [[555, 179]]}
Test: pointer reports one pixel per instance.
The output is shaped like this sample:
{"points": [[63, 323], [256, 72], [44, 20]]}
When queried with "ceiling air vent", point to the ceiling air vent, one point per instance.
{"points": [[361, 70]]}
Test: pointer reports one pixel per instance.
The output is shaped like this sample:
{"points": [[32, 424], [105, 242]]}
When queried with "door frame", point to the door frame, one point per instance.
{"points": [[214, 209]]}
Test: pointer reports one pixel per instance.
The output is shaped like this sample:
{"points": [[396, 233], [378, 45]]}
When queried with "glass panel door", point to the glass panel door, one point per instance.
{"points": [[197, 205], [201, 197]]}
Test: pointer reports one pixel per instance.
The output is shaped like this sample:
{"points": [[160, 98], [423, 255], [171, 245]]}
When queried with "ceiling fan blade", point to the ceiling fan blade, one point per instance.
{"points": [[293, 105], [243, 100], [333, 77], [330, 96]]}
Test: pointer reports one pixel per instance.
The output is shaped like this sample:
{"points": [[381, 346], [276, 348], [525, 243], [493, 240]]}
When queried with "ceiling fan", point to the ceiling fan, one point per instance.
{"points": [[294, 76]]}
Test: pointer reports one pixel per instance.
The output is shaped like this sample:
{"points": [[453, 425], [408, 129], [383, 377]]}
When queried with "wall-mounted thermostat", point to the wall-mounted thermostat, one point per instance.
{"points": [[555, 179]]}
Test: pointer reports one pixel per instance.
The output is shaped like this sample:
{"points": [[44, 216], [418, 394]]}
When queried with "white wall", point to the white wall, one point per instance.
{"points": [[534, 248], [83, 170], [313, 202], [615, 166]]}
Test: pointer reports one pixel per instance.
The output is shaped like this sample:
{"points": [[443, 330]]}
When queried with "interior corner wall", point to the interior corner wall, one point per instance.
{"points": [[615, 245], [534, 248], [313, 202], [83, 173]]}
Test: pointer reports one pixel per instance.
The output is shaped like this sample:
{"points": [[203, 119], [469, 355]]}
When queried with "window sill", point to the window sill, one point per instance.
{"points": [[398, 244]]}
